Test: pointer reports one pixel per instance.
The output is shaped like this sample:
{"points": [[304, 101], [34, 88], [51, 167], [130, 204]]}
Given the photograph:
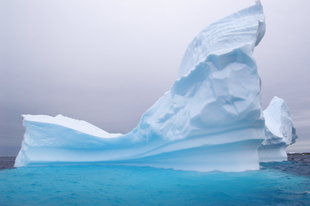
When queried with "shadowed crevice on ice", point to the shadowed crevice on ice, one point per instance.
{"points": [[210, 119]]}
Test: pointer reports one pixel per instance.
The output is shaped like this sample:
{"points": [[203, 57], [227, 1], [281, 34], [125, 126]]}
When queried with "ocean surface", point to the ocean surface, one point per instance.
{"points": [[284, 183]]}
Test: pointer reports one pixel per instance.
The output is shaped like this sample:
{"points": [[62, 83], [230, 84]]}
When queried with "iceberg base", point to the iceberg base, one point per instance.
{"points": [[229, 157]]}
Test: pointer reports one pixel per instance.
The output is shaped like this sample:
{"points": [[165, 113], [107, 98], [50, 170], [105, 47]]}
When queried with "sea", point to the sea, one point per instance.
{"points": [[282, 183]]}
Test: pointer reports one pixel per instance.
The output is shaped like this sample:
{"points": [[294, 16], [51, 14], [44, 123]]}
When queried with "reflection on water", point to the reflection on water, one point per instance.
{"points": [[274, 184]]}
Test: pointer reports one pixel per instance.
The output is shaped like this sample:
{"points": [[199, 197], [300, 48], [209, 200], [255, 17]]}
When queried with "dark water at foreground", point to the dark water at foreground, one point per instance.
{"points": [[284, 183]]}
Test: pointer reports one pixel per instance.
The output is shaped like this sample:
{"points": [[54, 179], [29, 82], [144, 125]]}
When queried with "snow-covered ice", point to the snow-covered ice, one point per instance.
{"points": [[280, 131], [210, 119], [78, 125]]}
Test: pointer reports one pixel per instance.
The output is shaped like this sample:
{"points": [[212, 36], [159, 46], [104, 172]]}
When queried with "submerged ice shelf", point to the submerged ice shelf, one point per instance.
{"points": [[210, 119]]}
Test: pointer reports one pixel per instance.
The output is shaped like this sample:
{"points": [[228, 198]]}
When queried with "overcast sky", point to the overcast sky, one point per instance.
{"points": [[107, 61]]}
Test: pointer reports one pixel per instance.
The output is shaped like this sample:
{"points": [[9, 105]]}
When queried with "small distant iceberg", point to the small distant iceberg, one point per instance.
{"points": [[210, 119], [280, 132]]}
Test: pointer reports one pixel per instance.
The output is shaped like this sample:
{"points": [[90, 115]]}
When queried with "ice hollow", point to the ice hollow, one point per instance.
{"points": [[210, 119]]}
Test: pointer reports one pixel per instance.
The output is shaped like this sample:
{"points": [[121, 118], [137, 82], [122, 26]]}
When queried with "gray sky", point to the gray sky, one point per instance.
{"points": [[106, 62]]}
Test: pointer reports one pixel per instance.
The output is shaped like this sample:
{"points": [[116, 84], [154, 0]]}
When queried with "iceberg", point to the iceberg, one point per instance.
{"points": [[210, 119], [280, 132]]}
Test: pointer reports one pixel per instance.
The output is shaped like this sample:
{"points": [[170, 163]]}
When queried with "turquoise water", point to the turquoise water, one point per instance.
{"points": [[124, 185]]}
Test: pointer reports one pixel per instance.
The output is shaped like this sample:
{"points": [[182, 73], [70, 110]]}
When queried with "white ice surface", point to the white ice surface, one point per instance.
{"points": [[78, 125]]}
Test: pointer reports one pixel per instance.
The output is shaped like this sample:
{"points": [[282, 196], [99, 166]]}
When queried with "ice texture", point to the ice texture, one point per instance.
{"points": [[210, 119], [279, 131]]}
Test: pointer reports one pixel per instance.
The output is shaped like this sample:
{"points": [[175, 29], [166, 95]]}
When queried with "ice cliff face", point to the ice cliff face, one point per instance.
{"points": [[280, 131], [210, 119]]}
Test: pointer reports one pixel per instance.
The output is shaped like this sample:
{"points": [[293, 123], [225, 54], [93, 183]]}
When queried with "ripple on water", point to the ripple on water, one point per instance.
{"points": [[124, 185]]}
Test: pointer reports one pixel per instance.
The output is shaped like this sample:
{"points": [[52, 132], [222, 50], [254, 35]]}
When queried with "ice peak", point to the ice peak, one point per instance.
{"points": [[258, 2], [243, 29], [279, 131]]}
